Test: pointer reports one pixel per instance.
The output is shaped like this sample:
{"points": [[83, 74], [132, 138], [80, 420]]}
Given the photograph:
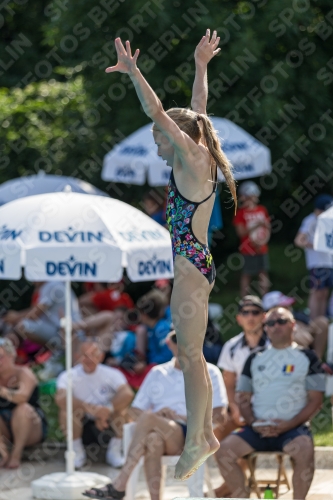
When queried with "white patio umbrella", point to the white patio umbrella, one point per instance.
{"points": [[136, 156], [72, 237], [41, 183], [323, 238]]}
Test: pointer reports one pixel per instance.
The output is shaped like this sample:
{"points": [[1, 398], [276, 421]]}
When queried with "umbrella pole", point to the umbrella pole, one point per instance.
{"points": [[70, 454]]}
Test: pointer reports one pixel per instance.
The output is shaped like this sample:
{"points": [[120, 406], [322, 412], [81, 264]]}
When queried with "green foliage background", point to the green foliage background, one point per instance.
{"points": [[61, 113]]}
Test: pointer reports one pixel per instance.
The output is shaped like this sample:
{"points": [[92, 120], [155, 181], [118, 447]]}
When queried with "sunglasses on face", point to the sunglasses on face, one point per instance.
{"points": [[280, 321], [246, 312], [173, 338]]}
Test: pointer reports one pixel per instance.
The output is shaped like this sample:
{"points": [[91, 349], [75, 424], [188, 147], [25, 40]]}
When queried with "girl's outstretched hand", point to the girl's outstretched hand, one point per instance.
{"points": [[207, 48], [126, 62]]}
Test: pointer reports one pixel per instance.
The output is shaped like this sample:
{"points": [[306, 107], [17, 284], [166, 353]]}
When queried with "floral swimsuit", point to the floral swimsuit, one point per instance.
{"points": [[179, 215]]}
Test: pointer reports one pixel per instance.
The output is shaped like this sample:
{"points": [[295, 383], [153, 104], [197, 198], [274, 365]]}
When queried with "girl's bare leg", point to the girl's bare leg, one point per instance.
{"points": [[189, 308]]}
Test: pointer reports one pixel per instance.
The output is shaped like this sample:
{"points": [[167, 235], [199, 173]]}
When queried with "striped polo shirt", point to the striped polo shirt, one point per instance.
{"points": [[279, 380], [236, 351]]}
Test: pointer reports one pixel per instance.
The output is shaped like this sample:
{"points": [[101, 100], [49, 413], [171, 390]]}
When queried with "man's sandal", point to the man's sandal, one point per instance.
{"points": [[109, 494]]}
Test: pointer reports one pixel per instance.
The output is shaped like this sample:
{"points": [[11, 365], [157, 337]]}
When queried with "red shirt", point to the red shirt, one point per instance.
{"points": [[249, 217], [109, 300]]}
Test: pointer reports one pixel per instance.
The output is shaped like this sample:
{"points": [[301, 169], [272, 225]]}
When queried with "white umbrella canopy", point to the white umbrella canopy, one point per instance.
{"points": [[72, 237], [323, 238], [41, 183], [136, 156]]}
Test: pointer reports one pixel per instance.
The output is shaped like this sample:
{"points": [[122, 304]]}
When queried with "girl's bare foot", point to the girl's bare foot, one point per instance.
{"points": [[194, 456]]}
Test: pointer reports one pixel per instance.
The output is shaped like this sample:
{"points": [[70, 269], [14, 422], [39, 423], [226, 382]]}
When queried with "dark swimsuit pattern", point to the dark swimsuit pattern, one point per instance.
{"points": [[179, 216]]}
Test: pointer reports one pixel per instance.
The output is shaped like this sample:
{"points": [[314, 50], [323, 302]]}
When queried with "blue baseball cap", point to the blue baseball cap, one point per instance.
{"points": [[323, 201]]}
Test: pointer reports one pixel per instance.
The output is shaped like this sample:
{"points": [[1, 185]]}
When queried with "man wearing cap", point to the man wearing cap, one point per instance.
{"points": [[234, 354], [307, 333], [252, 224], [320, 264], [279, 391]]}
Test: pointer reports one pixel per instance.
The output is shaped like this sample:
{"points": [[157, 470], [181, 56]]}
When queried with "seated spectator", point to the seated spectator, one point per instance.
{"points": [[109, 298], [280, 389], [41, 323], [307, 333], [319, 264], [101, 397], [27, 350], [152, 314], [22, 422], [234, 353], [161, 422], [101, 325]]}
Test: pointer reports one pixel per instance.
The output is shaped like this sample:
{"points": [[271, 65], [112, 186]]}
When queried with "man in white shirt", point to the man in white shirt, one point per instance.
{"points": [[101, 396], [236, 351], [279, 390], [161, 422], [320, 264]]}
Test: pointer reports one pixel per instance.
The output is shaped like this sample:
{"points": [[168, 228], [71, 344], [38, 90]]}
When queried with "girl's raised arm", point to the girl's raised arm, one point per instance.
{"points": [[204, 52], [151, 104]]}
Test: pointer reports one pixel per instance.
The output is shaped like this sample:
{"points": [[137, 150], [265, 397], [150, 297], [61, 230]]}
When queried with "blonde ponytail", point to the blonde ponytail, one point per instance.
{"points": [[214, 148], [188, 121]]}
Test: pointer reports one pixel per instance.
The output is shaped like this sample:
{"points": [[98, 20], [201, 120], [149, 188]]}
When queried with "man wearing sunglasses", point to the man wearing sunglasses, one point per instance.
{"points": [[234, 353], [279, 391]]}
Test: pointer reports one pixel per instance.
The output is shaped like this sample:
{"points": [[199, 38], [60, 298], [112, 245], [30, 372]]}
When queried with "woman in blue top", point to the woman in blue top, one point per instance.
{"points": [[188, 143]]}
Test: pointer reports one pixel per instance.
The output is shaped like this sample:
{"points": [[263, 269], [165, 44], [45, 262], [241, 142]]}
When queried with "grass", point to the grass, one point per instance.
{"points": [[321, 425]]}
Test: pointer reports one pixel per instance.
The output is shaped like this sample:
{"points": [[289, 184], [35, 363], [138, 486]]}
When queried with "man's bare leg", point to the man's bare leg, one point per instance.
{"points": [[155, 449], [146, 423], [77, 423], [320, 328], [231, 450], [301, 451], [221, 433], [26, 427], [4, 439], [245, 280], [118, 420], [170, 431], [318, 302], [264, 283]]}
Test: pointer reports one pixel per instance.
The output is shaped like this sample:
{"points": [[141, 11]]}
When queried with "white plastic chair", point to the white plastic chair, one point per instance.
{"points": [[195, 483]]}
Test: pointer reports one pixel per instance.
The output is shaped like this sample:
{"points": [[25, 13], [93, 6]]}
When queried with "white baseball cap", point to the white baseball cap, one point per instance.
{"points": [[273, 299], [249, 188]]}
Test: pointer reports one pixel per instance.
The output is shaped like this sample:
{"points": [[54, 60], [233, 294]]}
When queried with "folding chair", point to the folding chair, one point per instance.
{"points": [[282, 478]]}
